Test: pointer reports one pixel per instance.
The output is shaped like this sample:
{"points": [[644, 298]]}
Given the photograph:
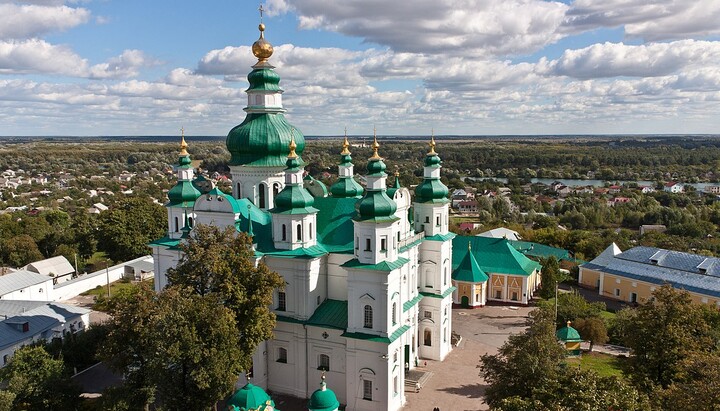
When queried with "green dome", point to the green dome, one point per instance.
{"points": [[262, 141], [294, 198], [391, 191], [249, 398], [323, 399], [432, 160], [376, 205], [568, 334], [346, 187], [185, 161], [264, 79], [314, 187], [183, 195], [202, 184], [376, 166], [431, 190]]}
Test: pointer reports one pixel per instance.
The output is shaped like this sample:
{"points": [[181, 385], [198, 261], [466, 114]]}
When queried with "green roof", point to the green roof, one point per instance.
{"points": [[376, 206], [443, 295], [302, 252], [441, 237], [236, 208], [294, 199], [262, 140], [249, 397], [383, 266], [346, 187], [469, 271], [264, 79], [431, 190], [493, 255], [568, 334], [375, 338], [314, 187], [330, 314], [540, 250], [165, 242], [323, 399], [183, 194], [410, 304]]}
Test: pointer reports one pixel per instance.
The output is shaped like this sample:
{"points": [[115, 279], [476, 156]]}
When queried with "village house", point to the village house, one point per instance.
{"points": [[673, 187]]}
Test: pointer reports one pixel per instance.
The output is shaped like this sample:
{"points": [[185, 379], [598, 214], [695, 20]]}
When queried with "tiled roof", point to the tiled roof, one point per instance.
{"points": [[41, 318], [375, 338], [692, 272], [383, 266], [20, 279]]}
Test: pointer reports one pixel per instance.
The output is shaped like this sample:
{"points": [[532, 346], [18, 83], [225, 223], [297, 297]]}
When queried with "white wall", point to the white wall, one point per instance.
{"points": [[38, 292], [85, 282]]}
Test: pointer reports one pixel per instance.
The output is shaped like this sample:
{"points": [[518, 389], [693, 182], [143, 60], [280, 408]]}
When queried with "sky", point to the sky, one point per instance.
{"points": [[406, 67]]}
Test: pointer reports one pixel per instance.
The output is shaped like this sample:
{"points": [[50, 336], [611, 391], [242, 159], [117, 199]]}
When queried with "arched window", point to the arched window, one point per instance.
{"points": [[368, 317], [394, 313], [299, 232], [177, 225], [284, 232], [324, 362], [445, 276], [282, 355], [261, 195], [428, 337], [190, 222], [311, 231]]}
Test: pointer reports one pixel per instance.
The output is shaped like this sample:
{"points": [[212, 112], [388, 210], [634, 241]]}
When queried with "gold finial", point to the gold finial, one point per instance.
{"points": [[262, 49], [292, 146], [375, 146], [345, 151], [469, 246], [432, 144], [397, 170], [183, 144]]}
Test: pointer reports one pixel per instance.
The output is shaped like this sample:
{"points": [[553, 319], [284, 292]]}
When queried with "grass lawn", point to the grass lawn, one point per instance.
{"points": [[607, 315], [114, 288], [603, 364]]}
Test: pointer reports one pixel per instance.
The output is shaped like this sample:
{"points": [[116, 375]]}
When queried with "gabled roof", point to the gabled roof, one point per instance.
{"points": [[20, 279], [41, 318], [501, 232], [56, 265], [493, 255]]}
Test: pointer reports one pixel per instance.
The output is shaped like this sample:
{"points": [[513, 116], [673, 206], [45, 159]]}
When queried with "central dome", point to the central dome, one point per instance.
{"points": [[262, 140]]}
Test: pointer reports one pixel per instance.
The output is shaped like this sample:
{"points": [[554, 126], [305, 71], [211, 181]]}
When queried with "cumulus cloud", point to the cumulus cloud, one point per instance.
{"points": [[30, 20], [651, 20], [618, 59], [500, 27], [38, 56]]}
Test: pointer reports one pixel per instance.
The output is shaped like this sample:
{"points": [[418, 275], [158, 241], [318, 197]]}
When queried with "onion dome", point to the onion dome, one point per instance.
{"points": [[262, 138], [294, 198], [323, 399], [568, 334], [202, 184], [375, 205], [431, 190], [184, 193], [250, 398], [315, 187], [469, 270], [346, 186]]}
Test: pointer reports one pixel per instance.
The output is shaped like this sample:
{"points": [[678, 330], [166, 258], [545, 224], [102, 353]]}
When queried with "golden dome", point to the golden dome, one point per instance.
{"points": [[262, 49], [292, 146], [183, 144], [346, 145]]}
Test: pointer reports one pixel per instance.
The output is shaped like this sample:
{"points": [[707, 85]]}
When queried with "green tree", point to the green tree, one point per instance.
{"points": [[592, 329], [38, 382], [20, 250], [696, 385], [222, 262], [550, 276], [664, 332], [127, 228], [524, 361], [571, 306]]}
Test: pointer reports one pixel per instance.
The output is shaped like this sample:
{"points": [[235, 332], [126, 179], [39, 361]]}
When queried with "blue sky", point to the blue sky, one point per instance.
{"points": [[110, 67]]}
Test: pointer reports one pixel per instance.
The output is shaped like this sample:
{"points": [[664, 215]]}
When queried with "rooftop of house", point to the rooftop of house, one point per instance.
{"points": [[20, 279], [25, 319]]}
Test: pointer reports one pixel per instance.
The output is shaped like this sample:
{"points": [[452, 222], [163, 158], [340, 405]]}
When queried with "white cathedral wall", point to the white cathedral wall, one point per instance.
{"points": [[436, 317], [323, 341], [337, 276], [435, 266], [376, 289], [246, 183], [287, 377], [373, 361], [305, 287], [163, 259], [217, 219], [431, 218]]}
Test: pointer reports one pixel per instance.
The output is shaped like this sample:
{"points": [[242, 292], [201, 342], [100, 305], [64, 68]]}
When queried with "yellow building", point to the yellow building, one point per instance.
{"points": [[633, 275], [491, 269]]}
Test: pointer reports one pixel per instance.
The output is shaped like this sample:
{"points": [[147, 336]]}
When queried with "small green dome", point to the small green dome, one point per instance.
{"points": [[431, 190], [391, 191], [376, 205], [314, 187], [432, 160], [183, 194], [184, 161], [264, 79], [293, 197], [568, 334], [323, 399], [346, 187], [376, 166], [249, 397], [202, 184]]}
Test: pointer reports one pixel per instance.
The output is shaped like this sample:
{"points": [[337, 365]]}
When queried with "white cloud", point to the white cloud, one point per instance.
{"points": [[123, 66], [26, 21]]}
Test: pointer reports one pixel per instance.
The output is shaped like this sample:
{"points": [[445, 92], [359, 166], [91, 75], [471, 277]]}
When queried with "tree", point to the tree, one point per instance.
{"points": [[592, 329], [550, 276], [663, 333], [221, 262], [38, 382], [524, 361], [176, 345], [572, 306], [696, 386], [127, 228], [20, 250]]}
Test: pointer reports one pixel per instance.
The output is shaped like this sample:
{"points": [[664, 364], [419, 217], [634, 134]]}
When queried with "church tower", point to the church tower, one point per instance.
{"points": [[346, 186], [183, 195], [294, 217], [258, 145]]}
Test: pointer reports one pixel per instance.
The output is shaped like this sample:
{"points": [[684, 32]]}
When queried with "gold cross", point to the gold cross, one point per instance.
{"points": [[261, 9]]}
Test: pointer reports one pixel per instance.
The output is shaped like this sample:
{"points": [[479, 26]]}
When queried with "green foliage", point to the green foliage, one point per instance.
{"points": [[80, 350], [592, 329], [20, 250], [695, 387], [550, 276], [221, 262], [177, 345], [38, 382], [127, 228], [662, 334], [533, 356], [572, 306]]}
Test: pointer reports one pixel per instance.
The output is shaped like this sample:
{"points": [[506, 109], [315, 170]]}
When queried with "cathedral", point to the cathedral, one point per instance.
{"points": [[368, 289]]}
